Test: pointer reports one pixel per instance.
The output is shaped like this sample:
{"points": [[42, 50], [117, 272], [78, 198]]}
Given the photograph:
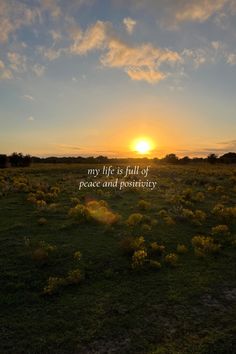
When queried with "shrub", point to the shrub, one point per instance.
{"points": [[204, 245], [196, 217], [220, 230], [199, 197], [74, 277], [187, 213], [199, 217], [187, 194], [157, 249], [138, 259], [144, 205], [75, 201], [131, 244], [40, 255], [47, 247], [225, 213], [42, 221], [181, 249], [154, 264], [98, 211], [146, 228], [134, 219], [79, 212], [162, 213], [77, 255], [169, 220], [171, 259], [53, 285], [41, 204]]}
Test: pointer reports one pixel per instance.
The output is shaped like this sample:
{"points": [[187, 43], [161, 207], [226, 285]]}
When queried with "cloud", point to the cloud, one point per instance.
{"points": [[198, 10], [56, 35], [231, 59], [176, 12], [14, 15], [226, 146], [38, 69], [120, 54], [93, 38], [30, 119], [140, 62], [52, 7], [29, 98], [50, 53], [150, 76], [5, 74], [17, 62], [67, 146], [129, 24]]}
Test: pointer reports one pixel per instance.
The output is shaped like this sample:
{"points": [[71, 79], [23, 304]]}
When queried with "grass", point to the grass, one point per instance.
{"points": [[188, 308]]}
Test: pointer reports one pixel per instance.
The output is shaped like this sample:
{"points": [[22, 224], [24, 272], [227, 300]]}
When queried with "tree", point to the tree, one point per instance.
{"points": [[19, 160], [230, 157], [212, 158], [185, 160], [171, 158], [3, 161]]}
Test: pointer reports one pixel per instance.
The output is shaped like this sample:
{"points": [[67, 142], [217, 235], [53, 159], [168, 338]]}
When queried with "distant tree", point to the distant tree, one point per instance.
{"points": [[184, 160], [26, 161], [3, 161], [19, 160], [101, 159], [171, 158], [15, 159], [212, 158], [230, 157]]}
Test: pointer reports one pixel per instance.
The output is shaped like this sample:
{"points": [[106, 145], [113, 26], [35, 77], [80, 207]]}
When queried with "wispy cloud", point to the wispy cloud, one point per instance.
{"points": [[129, 24], [30, 119], [38, 69], [29, 98], [5, 73]]}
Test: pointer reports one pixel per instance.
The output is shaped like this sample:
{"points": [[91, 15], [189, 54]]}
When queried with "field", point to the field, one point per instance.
{"points": [[109, 271]]}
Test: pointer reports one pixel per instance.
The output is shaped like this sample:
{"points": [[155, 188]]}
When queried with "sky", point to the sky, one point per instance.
{"points": [[88, 77]]}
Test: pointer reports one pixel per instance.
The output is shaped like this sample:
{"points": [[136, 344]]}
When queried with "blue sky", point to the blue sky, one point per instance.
{"points": [[89, 77]]}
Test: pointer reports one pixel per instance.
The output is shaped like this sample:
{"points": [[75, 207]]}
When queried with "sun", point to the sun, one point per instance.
{"points": [[142, 146]]}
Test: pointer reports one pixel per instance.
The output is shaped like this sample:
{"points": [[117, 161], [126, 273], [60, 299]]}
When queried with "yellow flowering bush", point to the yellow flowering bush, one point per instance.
{"points": [[204, 245], [156, 248], [77, 255], [74, 277], [144, 205], [138, 259], [131, 244], [181, 249], [53, 285], [134, 219], [171, 259], [222, 230]]}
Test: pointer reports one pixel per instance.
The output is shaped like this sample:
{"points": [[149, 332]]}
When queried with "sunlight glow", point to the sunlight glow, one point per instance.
{"points": [[142, 146]]}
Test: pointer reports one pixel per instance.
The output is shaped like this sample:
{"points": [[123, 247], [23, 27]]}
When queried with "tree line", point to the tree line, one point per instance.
{"points": [[20, 160]]}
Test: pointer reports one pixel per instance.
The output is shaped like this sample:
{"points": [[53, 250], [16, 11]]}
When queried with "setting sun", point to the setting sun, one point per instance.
{"points": [[142, 146]]}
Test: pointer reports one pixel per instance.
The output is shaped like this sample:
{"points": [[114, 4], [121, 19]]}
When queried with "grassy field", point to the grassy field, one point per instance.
{"points": [[109, 271]]}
